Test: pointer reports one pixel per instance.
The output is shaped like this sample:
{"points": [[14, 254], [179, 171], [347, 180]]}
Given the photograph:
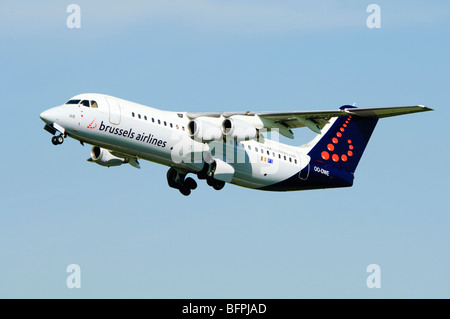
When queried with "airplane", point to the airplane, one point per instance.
{"points": [[222, 147]]}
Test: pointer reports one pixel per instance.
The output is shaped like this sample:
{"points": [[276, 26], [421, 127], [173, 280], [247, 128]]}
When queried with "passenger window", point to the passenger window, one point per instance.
{"points": [[262, 151], [153, 119], [132, 114], [85, 103], [178, 127], [279, 155], [94, 104], [295, 161], [268, 153], [249, 147], [256, 149], [165, 124], [145, 117], [171, 125], [139, 115], [159, 121], [290, 159], [182, 128], [284, 157]]}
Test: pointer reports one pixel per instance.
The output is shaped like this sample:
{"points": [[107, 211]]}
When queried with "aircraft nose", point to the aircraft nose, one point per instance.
{"points": [[49, 116]]}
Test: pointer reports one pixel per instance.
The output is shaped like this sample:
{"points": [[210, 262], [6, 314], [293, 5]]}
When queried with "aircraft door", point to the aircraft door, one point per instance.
{"points": [[304, 173], [114, 110]]}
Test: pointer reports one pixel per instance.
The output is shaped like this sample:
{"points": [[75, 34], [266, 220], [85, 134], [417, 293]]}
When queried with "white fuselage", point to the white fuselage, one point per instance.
{"points": [[162, 137]]}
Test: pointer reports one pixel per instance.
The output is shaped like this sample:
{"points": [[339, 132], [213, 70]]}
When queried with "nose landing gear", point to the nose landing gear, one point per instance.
{"points": [[56, 140]]}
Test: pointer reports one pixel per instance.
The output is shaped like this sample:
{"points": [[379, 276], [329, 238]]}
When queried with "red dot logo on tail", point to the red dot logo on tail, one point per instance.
{"points": [[330, 147]]}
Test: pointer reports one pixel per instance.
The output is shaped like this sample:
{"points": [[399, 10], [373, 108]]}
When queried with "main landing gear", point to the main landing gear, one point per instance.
{"points": [[56, 140], [208, 173], [214, 183], [177, 180]]}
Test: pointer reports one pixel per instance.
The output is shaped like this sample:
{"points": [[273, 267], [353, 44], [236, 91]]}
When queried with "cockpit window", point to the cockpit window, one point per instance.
{"points": [[85, 103], [73, 102], [94, 104]]}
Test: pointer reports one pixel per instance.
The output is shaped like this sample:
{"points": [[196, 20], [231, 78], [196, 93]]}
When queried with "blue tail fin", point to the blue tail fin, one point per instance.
{"points": [[344, 142]]}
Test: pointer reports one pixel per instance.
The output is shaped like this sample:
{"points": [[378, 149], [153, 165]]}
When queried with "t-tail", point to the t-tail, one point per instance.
{"points": [[343, 144], [336, 151]]}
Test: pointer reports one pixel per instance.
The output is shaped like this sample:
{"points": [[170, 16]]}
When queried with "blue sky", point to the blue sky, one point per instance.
{"points": [[134, 237]]}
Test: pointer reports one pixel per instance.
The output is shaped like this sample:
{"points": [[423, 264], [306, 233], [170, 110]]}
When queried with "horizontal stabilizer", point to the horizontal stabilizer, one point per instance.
{"points": [[387, 111]]}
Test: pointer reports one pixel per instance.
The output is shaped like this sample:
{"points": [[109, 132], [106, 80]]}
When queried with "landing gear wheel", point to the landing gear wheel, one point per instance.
{"points": [[171, 176], [214, 183], [185, 191], [203, 174], [210, 181], [56, 140], [218, 185], [190, 183]]}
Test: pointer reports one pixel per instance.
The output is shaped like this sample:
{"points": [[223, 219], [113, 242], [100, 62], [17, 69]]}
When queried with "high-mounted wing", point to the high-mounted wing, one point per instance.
{"points": [[315, 120]]}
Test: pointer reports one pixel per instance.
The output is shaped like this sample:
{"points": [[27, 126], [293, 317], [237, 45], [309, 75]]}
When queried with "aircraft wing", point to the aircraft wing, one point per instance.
{"points": [[315, 120]]}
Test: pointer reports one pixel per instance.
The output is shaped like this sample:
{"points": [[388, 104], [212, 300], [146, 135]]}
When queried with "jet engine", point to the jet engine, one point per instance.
{"points": [[204, 130], [234, 128], [105, 158]]}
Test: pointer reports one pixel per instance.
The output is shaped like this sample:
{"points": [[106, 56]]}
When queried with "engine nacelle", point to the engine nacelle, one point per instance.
{"points": [[204, 130], [238, 129], [105, 158]]}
